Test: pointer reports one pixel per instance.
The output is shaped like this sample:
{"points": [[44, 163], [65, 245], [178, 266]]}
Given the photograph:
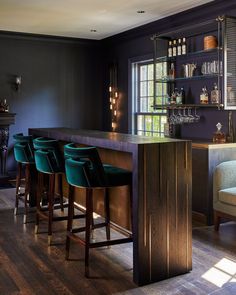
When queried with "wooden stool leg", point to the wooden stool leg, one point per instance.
{"points": [[89, 212], [60, 191], [27, 190], [50, 206], [18, 183], [107, 212], [216, 221], [131, 205], [39, 196], [70, 218]]}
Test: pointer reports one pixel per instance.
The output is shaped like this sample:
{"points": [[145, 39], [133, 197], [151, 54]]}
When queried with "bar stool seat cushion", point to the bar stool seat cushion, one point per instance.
{"points": [[100, 175], [116, 176]]}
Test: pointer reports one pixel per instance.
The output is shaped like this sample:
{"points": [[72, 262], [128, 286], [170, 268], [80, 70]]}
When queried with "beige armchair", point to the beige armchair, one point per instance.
{"points": [[224, 192]]}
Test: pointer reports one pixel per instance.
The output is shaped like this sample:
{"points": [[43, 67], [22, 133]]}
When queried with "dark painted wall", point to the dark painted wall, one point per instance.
{"points": [[65, 81], [61, 82], [134, 43]]}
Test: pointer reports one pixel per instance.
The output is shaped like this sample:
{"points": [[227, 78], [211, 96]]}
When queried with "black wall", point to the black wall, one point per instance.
{"points": [[61, 82], [129, 45]]}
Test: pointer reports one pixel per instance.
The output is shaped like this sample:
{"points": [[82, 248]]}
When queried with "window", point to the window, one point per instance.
{"points": [[147, 120]]}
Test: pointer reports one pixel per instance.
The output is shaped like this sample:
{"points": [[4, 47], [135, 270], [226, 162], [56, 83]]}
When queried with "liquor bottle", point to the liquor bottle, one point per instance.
{"points": [[179, 47], [184, 46], [172, 71], [173, 97], [174, 48], [182, 94], [204, 96], [219, 136], [215, 94], [179, 97], [170, 49]]}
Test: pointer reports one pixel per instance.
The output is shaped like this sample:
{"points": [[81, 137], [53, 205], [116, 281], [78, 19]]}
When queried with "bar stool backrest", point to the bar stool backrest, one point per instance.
{"points": [[23, 148], [47, 155], [78, 173], [93, 169]]}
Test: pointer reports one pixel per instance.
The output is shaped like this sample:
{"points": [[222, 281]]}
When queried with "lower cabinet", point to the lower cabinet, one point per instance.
{"points": [[205, 157]]}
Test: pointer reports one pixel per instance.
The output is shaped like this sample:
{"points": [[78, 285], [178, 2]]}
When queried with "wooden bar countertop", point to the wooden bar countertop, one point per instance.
{"points": [[117, 141]]}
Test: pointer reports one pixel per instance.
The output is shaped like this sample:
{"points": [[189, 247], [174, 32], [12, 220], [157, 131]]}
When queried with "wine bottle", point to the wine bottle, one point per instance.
{"points": [[184, 46], [182, 94], [170, 49], [179, 47], [174, 48]]}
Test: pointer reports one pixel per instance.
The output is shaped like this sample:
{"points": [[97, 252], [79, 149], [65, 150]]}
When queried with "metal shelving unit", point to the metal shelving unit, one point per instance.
{"points": [[225, 54]]}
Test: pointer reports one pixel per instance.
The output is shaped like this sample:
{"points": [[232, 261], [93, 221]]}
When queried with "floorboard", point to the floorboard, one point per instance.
{"points": [[28, 266]]}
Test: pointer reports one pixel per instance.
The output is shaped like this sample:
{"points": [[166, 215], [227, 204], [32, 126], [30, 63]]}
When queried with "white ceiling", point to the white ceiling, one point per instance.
{"points": [[75, 18]]}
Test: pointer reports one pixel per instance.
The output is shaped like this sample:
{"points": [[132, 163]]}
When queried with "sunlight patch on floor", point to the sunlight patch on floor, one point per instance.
{"points": [[221, 273]]}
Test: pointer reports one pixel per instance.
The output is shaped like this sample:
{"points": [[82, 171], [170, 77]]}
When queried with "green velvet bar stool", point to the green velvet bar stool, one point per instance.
{"points": [[84, 169], [50, 165], [24, 156]]}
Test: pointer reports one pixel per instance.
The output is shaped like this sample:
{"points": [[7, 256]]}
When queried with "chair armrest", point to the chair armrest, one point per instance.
{"points": [[224, 177]]}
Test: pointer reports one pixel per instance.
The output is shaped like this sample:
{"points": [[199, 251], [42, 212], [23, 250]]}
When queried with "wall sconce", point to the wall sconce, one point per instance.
{"points": [[113, 95], [17, 82]]}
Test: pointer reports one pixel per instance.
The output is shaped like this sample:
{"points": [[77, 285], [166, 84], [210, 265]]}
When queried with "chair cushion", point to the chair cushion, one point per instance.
{"points": [[117, 176], [228, 196]]}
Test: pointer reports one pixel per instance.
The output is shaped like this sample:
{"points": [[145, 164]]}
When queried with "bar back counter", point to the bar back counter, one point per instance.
{"points": [[162, 193]]}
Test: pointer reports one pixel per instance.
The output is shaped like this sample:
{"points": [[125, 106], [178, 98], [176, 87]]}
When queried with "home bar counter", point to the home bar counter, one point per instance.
{"points": [[162, 192]]}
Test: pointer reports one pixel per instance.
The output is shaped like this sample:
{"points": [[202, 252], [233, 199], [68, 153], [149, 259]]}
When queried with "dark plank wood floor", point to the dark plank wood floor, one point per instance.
{"points": [[28, 266]]}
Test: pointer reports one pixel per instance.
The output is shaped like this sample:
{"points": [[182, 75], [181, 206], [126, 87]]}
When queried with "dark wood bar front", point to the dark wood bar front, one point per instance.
{"points": [[162, 192]]}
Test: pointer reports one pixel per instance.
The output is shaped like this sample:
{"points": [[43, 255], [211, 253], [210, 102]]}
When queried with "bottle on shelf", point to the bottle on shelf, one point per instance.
{"points": [[204, 96], [172, 71], [215, 94], [183, 46], [170, 49], [179, 47], [178, 96], [173, 96], [182, 94], [174, 48]]}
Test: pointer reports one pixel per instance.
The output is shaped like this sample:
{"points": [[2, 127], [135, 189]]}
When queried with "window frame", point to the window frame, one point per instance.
{"points": [[136, 100]]}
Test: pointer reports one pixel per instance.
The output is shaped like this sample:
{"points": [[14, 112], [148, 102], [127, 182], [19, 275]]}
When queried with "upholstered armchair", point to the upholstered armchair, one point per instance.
{"points": [[224, 192]]}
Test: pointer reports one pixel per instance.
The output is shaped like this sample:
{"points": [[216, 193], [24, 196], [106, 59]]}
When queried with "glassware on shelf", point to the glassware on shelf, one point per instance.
{"points": [[182, 115], [211, 67], [231, 98], [196, 116], [189, 69], [172, 71], [219, 136]]}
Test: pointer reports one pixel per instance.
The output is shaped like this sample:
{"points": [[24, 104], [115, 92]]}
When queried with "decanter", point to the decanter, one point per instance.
{"points": [[219, 136]]}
